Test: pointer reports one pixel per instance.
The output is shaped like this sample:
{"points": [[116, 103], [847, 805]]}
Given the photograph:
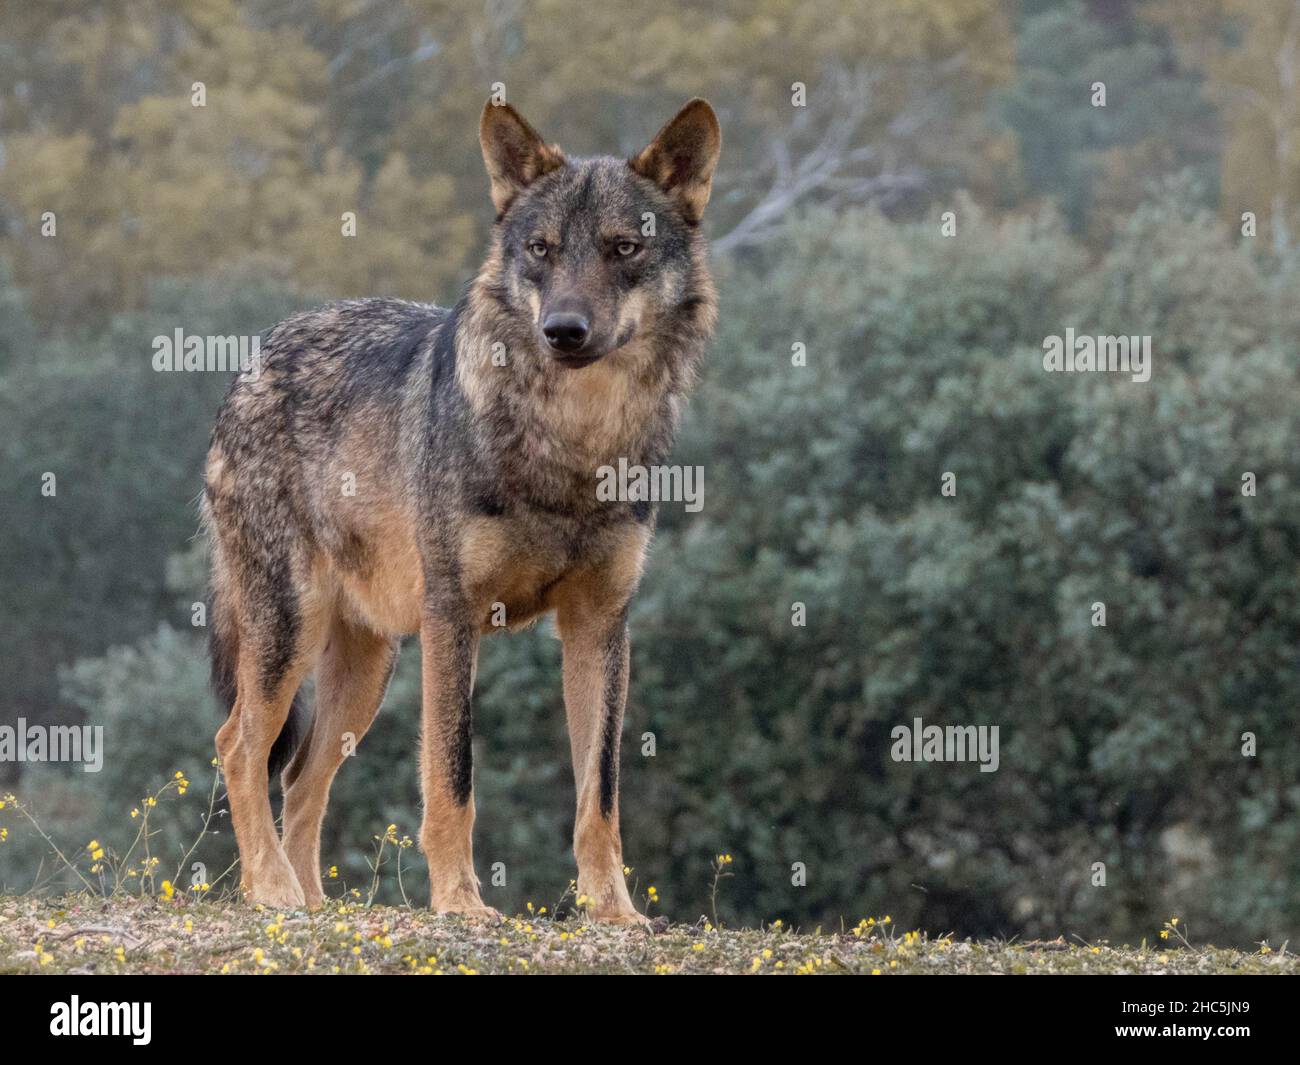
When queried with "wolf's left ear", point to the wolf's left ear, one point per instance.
{"points": [[513, 152], [680, 160]]}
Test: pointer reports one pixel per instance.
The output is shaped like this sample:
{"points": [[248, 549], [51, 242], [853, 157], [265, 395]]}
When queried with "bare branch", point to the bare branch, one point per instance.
{"points": [[825, 166]]}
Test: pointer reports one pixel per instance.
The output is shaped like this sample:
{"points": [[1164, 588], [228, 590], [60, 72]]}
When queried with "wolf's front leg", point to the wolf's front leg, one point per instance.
{"points": [[448, 648], [595, 691]]}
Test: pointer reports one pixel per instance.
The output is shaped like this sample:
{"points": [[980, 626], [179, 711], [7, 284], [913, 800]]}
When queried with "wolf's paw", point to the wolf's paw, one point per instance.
{"points": [[473, 913], [473, 908], [622, 918], [278, 892]]}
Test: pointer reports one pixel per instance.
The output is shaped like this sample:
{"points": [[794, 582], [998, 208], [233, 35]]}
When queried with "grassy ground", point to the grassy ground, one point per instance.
{"points": [[84, 934]]}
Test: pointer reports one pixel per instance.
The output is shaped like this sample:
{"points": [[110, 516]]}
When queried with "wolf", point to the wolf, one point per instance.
{"points": [[396, 468]]}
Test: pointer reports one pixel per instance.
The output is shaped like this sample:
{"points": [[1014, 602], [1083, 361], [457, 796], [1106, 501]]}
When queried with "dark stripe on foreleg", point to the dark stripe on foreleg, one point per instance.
{"points": [[615, 661], [460, 748]]}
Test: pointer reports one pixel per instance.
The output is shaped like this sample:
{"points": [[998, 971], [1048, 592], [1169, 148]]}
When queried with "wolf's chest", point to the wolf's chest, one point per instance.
{"points": [[510, 566]]}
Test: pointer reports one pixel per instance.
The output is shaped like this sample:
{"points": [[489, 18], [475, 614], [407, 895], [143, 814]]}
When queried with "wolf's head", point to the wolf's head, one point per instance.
{"points": [[593, 253]]}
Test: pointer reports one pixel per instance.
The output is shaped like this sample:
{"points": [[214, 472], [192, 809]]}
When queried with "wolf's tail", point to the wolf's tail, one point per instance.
{"points": [[223, 650]]}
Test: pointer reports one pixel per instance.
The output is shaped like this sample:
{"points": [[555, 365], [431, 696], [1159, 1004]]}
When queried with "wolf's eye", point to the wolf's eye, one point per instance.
{"points": [[627, 247], [537, 248]]}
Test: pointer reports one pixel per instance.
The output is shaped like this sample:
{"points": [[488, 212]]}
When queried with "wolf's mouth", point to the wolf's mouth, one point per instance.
{"points": [[576, 362]]}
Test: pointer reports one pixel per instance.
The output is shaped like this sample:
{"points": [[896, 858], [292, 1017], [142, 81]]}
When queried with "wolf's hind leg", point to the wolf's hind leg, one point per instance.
{"points": [[244, 742], [350, 683], [276, 646]]}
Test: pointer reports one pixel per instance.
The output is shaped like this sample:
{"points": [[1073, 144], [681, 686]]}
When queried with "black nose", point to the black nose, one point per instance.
{"points": [[566, 331]]}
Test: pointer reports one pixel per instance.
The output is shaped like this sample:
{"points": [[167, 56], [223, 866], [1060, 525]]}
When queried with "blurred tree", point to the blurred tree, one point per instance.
{"points": [[321, 107], [1250, 53], [1096, 161], [17, 330], [163, 187]]}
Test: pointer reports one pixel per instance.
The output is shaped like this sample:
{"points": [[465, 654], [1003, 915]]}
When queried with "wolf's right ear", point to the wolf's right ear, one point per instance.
{"points": [[514, 154]]}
